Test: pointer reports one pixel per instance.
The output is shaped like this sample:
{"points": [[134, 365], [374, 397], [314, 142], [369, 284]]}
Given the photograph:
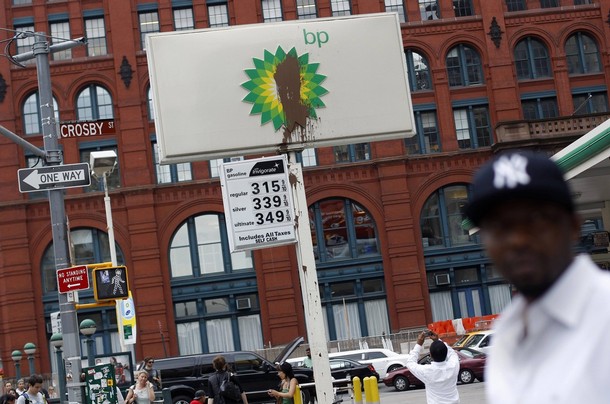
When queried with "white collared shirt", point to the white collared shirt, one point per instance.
{"points": [[556, 349], [440, 378]]}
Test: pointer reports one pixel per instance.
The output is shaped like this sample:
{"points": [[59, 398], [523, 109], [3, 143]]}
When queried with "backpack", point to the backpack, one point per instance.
{"points": [[27, 398], [229, 390]]}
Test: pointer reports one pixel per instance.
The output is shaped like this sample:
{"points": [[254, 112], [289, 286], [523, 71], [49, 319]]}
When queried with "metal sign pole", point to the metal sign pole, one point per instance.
{"points": [[69, 320], [308, 276]]}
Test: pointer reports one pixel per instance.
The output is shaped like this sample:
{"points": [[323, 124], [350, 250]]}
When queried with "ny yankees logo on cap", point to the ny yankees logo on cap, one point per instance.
{"points": [[510, 171]]}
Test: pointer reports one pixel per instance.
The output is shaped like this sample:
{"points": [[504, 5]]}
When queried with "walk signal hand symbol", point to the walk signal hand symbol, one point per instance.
{"points": [[110, 283]]}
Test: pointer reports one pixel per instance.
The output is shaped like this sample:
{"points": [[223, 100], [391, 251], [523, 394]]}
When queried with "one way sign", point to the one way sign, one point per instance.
{"points": [[54, 177]]}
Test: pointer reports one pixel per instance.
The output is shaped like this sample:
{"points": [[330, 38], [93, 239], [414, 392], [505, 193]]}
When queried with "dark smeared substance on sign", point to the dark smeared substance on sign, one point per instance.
{"points": [[288, 81]]}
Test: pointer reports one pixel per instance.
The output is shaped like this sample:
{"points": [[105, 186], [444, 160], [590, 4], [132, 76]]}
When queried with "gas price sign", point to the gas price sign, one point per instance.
{"points": [[258, 203]]}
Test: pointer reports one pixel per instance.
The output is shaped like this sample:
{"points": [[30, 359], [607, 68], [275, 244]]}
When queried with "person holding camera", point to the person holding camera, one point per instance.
{"points": [[440, 377], [142, 392]]}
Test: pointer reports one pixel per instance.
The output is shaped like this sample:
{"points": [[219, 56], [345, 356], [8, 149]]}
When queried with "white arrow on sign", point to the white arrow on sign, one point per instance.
{"points": [[35, 179], [72, 285]]}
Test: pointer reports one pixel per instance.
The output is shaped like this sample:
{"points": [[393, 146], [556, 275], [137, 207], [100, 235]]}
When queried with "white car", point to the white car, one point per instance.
{"points": [[383, 360], [479, 340]]}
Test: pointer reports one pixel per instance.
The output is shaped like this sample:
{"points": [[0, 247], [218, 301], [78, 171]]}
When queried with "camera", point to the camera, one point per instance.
{"points": [[428, 333]]}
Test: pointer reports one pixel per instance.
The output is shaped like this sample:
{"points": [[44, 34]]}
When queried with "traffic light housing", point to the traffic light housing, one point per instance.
{"points": [[110, 283]]}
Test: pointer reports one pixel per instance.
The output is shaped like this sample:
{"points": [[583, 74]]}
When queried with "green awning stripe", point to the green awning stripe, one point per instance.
{"points": [[585, 151]]}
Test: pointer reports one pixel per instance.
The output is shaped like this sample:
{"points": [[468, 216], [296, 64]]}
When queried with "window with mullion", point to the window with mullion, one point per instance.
{"points": [[429, 10], [218, 15], [515, 5], [200, 247], [340, 7], [149, 22], [464, 66], [272, 10], [342, 229], [418, 71], [582, 54], [352, 153], [60, 32], [25, 40], [93, 103], [95, 30], [462, 8], [183, 19], [306, 9], [540, 108], [426, 140], [441, 218], [590, 103], [396, 6], [531, 59], [168, 173], [31, 114], [472, 127], [549, 3]]}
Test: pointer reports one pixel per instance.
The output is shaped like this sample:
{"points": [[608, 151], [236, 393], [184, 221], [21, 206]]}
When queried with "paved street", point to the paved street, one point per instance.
{"points": [[469, 394]]}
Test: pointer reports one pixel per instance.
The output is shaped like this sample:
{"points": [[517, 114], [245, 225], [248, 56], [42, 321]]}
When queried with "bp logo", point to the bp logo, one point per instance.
{"points": [[284, 89]]}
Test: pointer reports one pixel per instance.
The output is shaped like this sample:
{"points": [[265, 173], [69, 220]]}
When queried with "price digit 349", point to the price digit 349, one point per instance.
{"points": [[270, 217]]}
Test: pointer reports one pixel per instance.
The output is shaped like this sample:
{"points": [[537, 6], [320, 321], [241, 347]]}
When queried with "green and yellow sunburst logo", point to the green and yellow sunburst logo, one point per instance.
{"points": [[285, 89]]}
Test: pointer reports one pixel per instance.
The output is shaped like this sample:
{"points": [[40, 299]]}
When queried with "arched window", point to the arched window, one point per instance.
{"points": [[31, 114], [94, 102], [88, 246], [531, 59], [341, 229], [350, 275], [441, 218], [582, 54], [464, 66], [418, 71], [200, 247], [217, 308]]}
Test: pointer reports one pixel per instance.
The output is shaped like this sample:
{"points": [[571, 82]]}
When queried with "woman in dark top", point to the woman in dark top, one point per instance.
{"points": [[214, 382]]}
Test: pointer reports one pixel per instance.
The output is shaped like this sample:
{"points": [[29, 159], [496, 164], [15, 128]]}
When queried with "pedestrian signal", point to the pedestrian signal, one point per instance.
{"points": [[110, 283]]}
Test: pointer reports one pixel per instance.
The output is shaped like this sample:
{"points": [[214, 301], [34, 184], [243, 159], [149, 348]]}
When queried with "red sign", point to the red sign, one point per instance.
{"points": [[71, 279], [87, 128]]}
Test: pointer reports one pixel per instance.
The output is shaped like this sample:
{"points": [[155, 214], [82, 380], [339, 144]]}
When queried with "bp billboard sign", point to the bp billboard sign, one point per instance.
{"points": [[253, 88]]}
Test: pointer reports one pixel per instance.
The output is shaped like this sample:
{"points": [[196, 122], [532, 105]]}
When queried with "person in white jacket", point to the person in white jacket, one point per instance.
{"points": [[440, 377]]}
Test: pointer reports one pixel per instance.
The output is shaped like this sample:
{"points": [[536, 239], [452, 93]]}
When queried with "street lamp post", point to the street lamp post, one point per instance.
{"points": [[30, 349], [88, 328], [57, 341], [16, 355], [102, 165]]}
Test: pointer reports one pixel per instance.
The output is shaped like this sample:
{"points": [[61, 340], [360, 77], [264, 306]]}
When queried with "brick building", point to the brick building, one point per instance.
{"points": [[386, 216]]}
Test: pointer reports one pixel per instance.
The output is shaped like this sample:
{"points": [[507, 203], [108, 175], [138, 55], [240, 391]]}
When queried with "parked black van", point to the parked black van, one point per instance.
{"points": [[184, 375]]}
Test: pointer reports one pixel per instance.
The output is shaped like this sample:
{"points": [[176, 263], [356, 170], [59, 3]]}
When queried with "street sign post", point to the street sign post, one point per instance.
{"points": [[258, 203], [54, 177], [72, 279]]}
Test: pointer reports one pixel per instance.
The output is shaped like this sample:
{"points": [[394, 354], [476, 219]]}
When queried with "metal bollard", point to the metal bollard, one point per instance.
{"points": [[374, 386], [297, 398], [367, 389], [357, 389]]}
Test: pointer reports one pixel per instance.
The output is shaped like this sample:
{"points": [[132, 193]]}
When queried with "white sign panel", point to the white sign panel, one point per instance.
{"points": [[258, 203], [249, 89]]}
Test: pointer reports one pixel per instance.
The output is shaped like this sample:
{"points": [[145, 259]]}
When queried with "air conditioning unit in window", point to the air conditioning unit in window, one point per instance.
{"points": [[442, 279], [243, 303]]}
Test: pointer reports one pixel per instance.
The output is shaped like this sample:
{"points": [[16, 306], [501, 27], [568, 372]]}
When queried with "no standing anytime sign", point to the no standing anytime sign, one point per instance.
{"points": [[258, 203]]}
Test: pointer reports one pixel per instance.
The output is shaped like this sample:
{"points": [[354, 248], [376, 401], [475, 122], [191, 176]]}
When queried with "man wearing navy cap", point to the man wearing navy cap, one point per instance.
{"points": [[551, 343]]}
